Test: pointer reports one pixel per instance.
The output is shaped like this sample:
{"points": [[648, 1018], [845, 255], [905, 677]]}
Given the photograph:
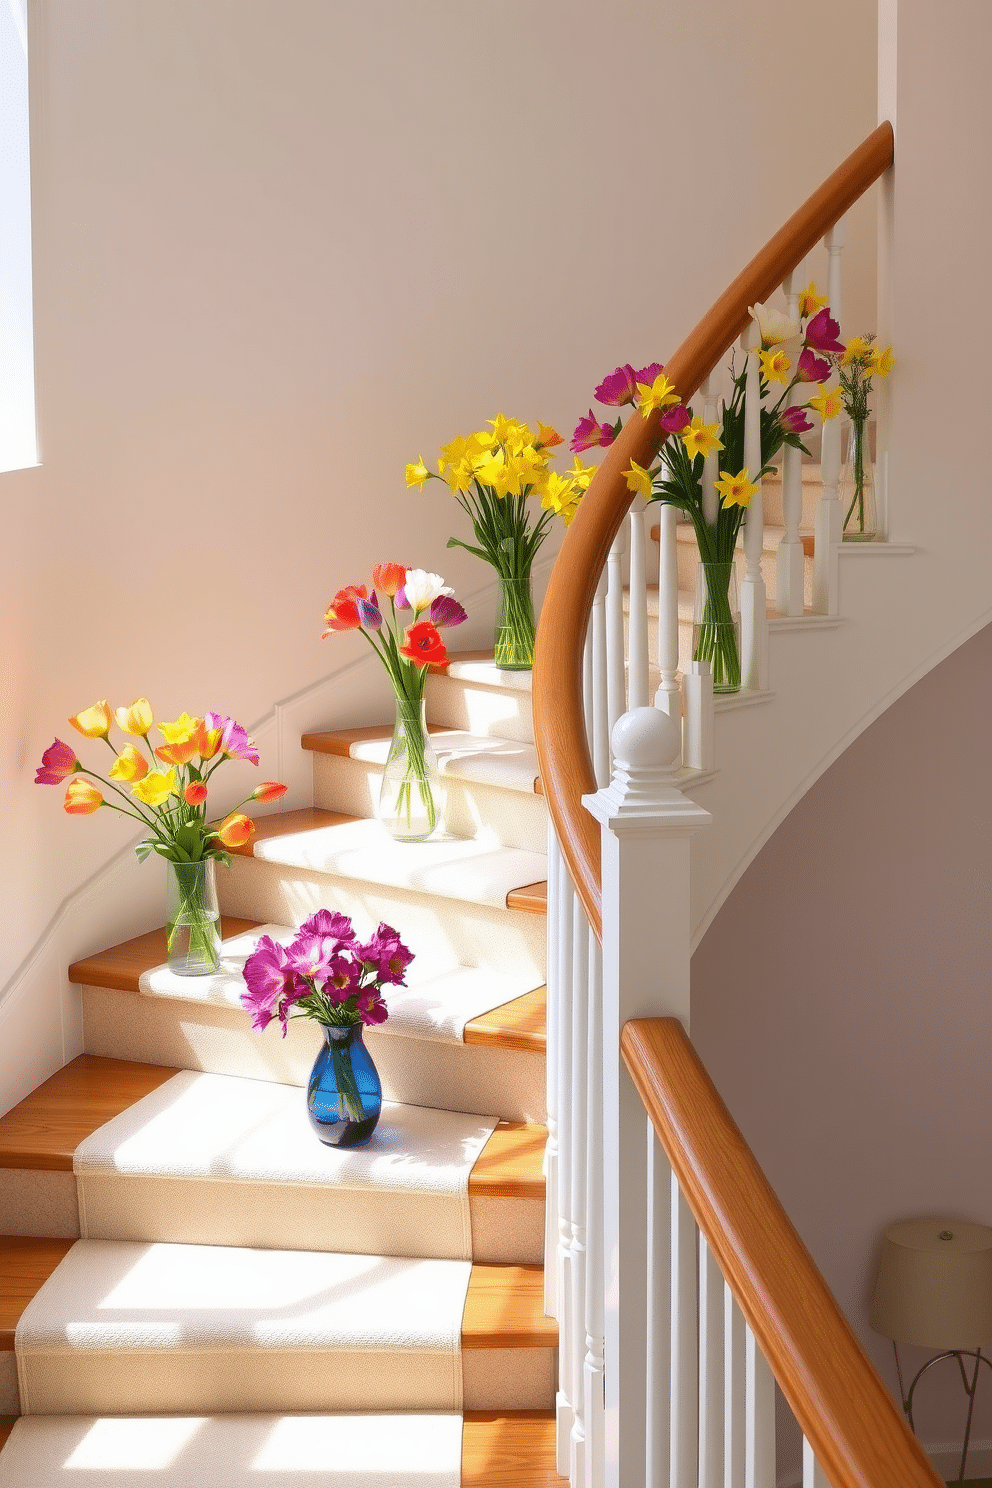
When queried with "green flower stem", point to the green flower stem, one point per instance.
{"points": [[858, 426], [716, 637], [344, 1078], [408, 718], [516, 630]]}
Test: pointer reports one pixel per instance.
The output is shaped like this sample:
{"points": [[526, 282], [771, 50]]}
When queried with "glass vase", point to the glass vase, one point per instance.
{"points": [[192, 918], [516, 628], [412, 796], [344, 1094], [857, 486], [716, 625]]}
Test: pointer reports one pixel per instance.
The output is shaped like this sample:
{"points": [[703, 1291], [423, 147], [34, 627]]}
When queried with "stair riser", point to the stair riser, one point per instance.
{"points": [[507, 1083], [456, 703], [507, 817], [38, 1203], [10, 1399], [441, 933]]}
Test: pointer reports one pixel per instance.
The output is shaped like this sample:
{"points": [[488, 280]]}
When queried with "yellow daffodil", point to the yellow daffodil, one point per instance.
{"points": [[130, 764], [93, 722], [810, 301], [459, 475], [561, 496], [135, 720], [827, 404], [881, 362], [581, 475], [417, 474], [658, 394], [180, 729], [737, 490], [638, 480], [510, 432], [700, 438], [547, 436], [775, 366], [155, 788], [855, 349], [494, 471]]}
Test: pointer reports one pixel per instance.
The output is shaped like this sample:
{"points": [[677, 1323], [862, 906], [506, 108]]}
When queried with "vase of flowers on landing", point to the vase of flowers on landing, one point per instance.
{"points": [[171, 803], [716, 625], [862, 361], [327, 974]]}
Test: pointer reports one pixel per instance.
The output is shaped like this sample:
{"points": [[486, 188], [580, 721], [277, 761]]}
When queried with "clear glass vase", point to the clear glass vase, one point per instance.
{"points": [[516, 627], [192, 918], [344, 1094], [412, 797], [857, 486], [716, 625]]}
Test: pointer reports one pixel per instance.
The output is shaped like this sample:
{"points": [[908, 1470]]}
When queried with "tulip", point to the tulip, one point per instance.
{"points": [[82, 798], [424, 645], [235, 830], [675, 420], [794, 421], [195, 793], [233, 741], [129, 765], [369, 612], [269, 790], [822, 332], [620, 387], [93, 722], [342, 612], [58, 761], [422, 589], [774, 327], [447, 611], [388, 578], [180, 754], [589, 432], [135, 720], [812, 368], [155, 788]]}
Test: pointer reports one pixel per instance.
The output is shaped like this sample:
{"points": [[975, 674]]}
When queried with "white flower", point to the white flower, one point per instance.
{"points": [[775, 328], [422, 589]]}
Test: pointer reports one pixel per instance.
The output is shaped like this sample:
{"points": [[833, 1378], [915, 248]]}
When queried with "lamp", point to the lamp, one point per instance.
{"points": [[934, 1289]]}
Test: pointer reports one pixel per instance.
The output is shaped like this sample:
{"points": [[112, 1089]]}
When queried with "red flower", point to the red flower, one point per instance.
{"points": [[342, 612], [195, 793], [269, 790], [424, 645]]}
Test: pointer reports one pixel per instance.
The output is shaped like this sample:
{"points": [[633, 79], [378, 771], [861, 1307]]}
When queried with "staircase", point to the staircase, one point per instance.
{"points": [[191, 1282]]}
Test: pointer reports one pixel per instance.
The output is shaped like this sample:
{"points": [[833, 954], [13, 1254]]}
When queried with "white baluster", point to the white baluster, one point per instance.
{"points": [[594, 1398], [813, 1474], [658, 1373], [759, 1418], [615, 680], [710, 1369], [685, 1359], [734, 1392], [789, 566], [564, 1402], [754, 612], [829, 517], [598, 691], [699, 733], [668, 696], [576, 1343], [637, 610], [555, 872]]}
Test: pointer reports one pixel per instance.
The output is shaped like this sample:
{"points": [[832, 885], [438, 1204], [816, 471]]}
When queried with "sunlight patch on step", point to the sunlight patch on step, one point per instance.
{"points": [[135, 1443]]}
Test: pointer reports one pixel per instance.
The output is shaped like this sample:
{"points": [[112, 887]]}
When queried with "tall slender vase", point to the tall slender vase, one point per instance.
{"points": [[192, 918], [716, 625], [857, 486], [344, 1094], [412, 797], [516, 627]]}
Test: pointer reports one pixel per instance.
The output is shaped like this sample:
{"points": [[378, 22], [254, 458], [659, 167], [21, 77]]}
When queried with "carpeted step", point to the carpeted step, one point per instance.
{"points": [[469, 1039], [472, 693], [123, 1327], [448, 898], [491, 783]]}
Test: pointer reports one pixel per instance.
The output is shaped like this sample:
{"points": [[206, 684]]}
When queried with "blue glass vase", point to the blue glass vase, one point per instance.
{"points": [[344, 1093]]}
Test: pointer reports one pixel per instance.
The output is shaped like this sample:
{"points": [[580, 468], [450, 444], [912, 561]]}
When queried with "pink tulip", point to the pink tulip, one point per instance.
{"points": [[794, 421], [58, 761], [589, 432], [812, 368], [822, 332]]}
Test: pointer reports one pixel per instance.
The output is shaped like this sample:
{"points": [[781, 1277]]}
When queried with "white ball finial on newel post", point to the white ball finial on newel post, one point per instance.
{"points": [[647, 744]]}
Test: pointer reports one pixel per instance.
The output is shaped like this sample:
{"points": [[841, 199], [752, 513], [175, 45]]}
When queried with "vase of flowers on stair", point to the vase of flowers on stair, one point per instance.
{"points": [[328, 975]]}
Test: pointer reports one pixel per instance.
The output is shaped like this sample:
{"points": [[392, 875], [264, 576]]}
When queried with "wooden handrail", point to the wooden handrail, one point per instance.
{"points": [[846, 1414], [559, 726]]}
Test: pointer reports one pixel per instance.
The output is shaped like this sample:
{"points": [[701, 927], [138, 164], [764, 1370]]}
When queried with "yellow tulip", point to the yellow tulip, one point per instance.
{"points": [[135, 720], [155, 788], [82, 797], [93, 722], [129, 765]]}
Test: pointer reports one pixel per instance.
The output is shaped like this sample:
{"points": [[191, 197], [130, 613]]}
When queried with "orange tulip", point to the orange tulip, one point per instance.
{"points": [[269, 790], [93, 722], [195, 793], [82, 797], [389, 578], [235, 830]]}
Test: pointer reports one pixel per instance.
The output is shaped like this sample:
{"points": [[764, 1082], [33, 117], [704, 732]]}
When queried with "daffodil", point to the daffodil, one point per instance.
{"points": [[737, 490], [881, 362], [511, 432], [658, 394], [547, 436], [856, 348], [810, 301], [827, 403], [581, 475], [700, 438], [561, 496], [129, 765], [638, 480], [459, 475], [155, 787], [181, 729], [775, 366], [417, 474]]}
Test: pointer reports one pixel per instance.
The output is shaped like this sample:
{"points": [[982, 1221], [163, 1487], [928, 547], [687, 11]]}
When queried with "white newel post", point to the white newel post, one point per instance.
{"points": [[754, 611], [829, 517], [646, 829]]}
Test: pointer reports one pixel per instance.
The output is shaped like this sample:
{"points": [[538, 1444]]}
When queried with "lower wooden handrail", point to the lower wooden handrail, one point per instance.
{"points": [[847, 1415]]}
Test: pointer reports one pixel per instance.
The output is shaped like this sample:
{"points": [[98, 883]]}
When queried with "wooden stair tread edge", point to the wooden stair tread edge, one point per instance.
{"points": [[119, 967], [512, 1449], [26, 1263], [7, 1426], [511, 1164], [532, 898], [339, 741], [520, 1024]]}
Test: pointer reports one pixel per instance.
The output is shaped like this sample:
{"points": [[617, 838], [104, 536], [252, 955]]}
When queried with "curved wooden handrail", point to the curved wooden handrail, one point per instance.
{"points": [[846, 1414], [559, 726]]}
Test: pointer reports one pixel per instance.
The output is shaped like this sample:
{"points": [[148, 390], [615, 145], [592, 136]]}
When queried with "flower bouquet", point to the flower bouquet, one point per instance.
{"points": [[493, 474], [326, 974], [171, 804], [411, 800], [716, 507], [862, 361]]}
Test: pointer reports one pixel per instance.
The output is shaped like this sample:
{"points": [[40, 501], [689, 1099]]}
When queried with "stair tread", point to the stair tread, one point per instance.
{"points": [[121, 966], [480, 667], [470, 869], [504, 1305], [480, 758]]}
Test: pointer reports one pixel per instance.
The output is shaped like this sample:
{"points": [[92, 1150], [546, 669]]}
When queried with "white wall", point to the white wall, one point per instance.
{"points": [[281, 248]]}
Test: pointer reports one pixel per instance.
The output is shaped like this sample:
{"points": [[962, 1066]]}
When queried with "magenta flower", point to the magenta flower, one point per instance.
{"points": [[812, 368], [619, 388], [272, 984], [648, 374], [343, 978], [675, 419], [371, 1008], [234, 742], [589, 432], [387, 955], [446, 611], [58, 761], [314, 956], [822, 332], [328, 922], [794, 421], [368, 612]]}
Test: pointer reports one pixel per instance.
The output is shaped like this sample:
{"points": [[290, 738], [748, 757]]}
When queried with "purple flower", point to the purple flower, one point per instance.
{"points": [[589, 432], [812, 368], [648, 374], [400, 600], [371, 1008], [387, 954], [271, 982], [619, 388], [328, 922], [58, 761], [369, 613], [822, 332], [234, 742], [344, 975], [446, 611], [675, 419], [313, 956], [794, 421]]}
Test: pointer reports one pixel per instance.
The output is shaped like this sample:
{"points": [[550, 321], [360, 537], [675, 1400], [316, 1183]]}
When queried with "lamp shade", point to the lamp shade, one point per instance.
{"points": [[934, 1284]]}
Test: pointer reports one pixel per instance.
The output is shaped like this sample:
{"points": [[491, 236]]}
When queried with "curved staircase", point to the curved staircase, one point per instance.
{"points": [[191, 1282]]}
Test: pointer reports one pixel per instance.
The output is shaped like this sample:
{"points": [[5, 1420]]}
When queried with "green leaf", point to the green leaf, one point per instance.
{"points": [[143, 849]]}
